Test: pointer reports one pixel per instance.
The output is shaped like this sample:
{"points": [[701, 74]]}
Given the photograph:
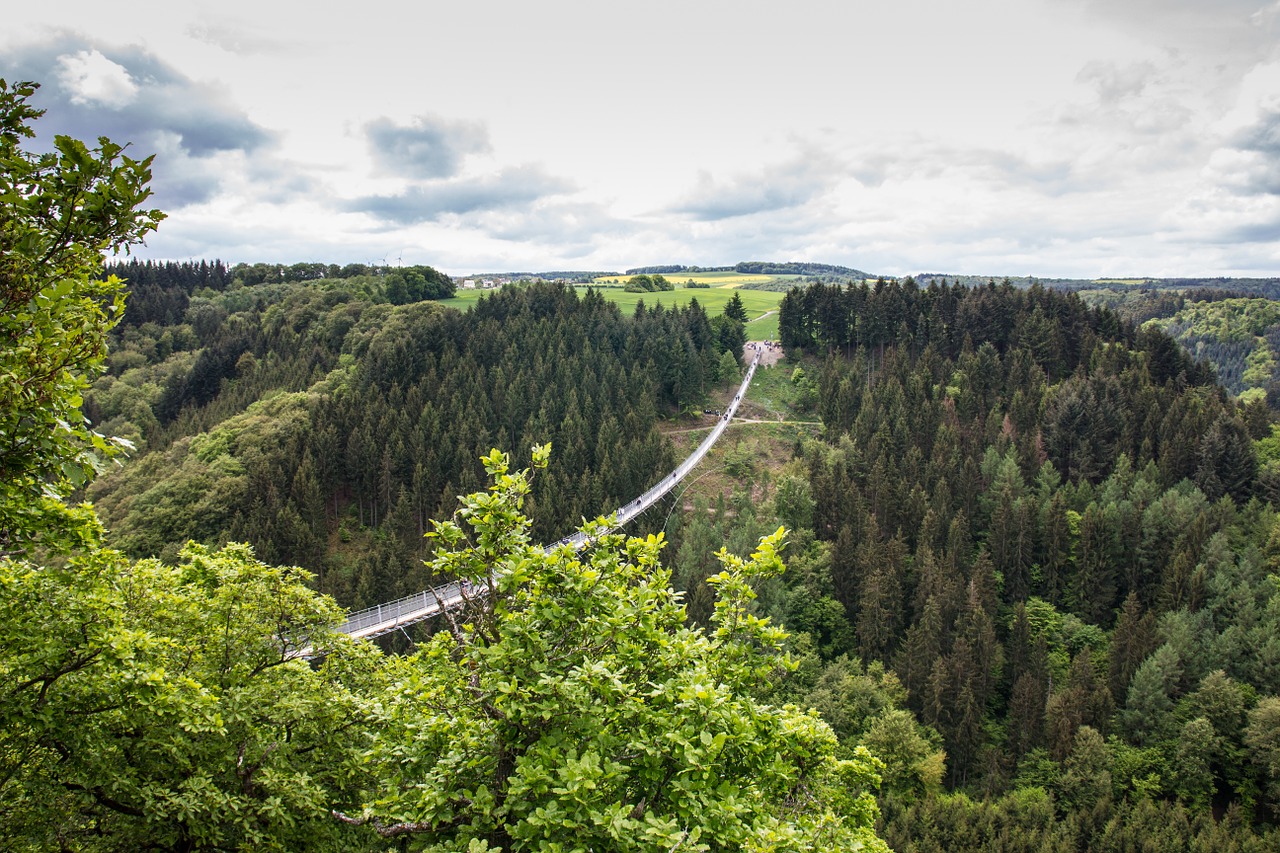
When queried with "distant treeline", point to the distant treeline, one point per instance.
{"points": [[575, 276], [759, 268], [665, 269], [1265, 287], [160, 291], [798, 268]]}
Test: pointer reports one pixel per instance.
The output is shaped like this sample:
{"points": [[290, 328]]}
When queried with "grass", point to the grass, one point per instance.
{"points": [[464, 299], [713, 300], [763, 328], [758, 453], [771, 393], [756, 302]]}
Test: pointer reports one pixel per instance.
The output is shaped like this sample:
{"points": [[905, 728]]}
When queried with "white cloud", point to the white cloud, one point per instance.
{"points": [[235, 37], [771, 188], [92, 78], [426, 202]]}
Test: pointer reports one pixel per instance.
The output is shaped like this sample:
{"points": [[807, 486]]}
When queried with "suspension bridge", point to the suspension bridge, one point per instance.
{"points": [[394, 615]]}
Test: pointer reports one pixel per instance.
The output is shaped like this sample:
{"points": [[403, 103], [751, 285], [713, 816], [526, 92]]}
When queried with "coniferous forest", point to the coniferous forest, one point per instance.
{"points": [[291, 415], [1050, 530], [1025, 595], [1031, 554]]}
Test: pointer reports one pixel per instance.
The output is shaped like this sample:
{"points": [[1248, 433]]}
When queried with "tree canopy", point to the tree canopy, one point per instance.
{"points": [[569, 707], [60, 212], [167, 705]]}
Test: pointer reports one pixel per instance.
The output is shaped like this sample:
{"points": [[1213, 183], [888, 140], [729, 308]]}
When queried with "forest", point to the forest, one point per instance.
{"points": [[1018, 587], [201, 699], [326, 427], [1049, 526], [1031, 549]]}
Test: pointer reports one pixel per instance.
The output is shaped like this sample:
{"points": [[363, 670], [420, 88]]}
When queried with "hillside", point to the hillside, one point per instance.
{"points": [[1048, 524], [327, 427], [1013, 498], [1020, 538]]}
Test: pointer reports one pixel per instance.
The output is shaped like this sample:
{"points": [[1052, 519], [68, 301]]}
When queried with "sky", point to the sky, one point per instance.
{"points": [[1050, 138]]}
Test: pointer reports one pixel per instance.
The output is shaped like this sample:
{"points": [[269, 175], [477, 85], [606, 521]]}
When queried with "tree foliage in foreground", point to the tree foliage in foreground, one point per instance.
{"points": [[569, 708], [58, 213], [161, 707], [166, 707]]}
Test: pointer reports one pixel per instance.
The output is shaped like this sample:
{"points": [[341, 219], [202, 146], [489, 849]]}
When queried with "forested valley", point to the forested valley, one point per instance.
{"points": [[1050, 528], [1031, 553], [1031, 595], [327, 426], [202, 699]]}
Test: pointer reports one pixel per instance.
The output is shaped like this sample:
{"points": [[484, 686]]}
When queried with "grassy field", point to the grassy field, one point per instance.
{"points": [[771, 394], [764, 328], [713, 300]]}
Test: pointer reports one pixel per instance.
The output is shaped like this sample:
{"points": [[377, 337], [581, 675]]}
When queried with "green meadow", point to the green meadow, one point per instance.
{"points": [[757, 302]]}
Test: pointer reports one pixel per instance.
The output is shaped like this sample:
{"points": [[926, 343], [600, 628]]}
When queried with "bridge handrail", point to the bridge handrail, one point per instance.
{"points": [[388, 616]]}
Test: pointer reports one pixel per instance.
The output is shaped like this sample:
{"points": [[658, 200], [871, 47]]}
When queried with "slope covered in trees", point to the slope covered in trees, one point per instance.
{"points": [[1050, 527], [1238, 336], [308, 419], [165, 706], [1029, 559]]}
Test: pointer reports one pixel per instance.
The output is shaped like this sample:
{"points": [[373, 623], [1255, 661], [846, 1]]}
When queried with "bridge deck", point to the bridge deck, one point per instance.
{"points": [[385, 618]]}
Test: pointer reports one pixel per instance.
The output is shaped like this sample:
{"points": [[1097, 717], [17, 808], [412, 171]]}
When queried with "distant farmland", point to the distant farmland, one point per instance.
{"points": [[713, 299]]}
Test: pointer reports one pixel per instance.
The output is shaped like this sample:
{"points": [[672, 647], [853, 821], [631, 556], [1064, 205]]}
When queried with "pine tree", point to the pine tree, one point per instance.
{"points": [[1133, 640]]}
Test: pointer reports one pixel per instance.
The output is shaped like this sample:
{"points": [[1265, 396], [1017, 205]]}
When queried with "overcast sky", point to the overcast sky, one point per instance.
{"points": [[1017, 137]]}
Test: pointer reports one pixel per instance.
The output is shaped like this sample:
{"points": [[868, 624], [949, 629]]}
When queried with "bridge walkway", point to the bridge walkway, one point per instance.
{"points": [[385, 618]]}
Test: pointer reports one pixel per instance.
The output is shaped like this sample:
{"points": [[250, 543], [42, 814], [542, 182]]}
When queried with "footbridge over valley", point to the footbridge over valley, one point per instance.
{"points": [[394, 615]]}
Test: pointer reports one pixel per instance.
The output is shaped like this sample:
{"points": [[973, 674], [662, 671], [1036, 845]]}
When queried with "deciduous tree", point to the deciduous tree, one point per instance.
{"points": [[59, 212], [570, 708]]}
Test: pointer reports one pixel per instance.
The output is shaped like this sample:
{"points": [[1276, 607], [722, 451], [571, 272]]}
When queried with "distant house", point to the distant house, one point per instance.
{"points": [[468, 284]]}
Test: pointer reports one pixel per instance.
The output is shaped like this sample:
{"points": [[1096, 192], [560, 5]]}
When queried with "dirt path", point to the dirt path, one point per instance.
{"points": [[743, 421], [763, 421]]}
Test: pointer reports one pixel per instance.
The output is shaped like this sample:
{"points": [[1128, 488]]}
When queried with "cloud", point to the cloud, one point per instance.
{"points": [[1114, 82], [993, 169], [1263, 136], [128, 95], [1134, 99], [428, 147], [570, 228], [779, 187], [1238, 199], [520, 185], [1236, 30], [88, 76], [235, 38], [131, 97]]}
